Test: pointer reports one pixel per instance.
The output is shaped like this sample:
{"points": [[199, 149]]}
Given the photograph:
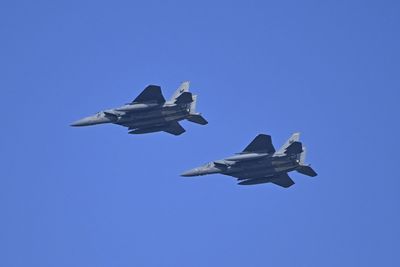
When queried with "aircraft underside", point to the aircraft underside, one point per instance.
{"points": [[160, 118]]}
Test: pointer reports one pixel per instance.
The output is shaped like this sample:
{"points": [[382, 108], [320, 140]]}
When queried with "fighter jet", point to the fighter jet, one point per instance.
{"points": [[259, 163], [150, 112]]}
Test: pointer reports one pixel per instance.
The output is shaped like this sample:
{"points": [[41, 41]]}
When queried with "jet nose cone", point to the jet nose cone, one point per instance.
{"points": [[76, 123], [81, 122], [190, 173]]}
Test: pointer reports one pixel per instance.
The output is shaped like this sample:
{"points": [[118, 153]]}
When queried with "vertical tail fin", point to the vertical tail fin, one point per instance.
{"points": [[193, 105], [303, 167], [302, 158], [184, 87], [294, 138], [195, 116]]}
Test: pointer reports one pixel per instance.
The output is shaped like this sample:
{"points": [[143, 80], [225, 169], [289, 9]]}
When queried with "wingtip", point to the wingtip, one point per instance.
{"points": [[185, 84]]}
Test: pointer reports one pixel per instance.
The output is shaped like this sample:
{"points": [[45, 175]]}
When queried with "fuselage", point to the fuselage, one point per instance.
{"points": [[259, 166], [260, 163], [136, 116], [156, 116]]}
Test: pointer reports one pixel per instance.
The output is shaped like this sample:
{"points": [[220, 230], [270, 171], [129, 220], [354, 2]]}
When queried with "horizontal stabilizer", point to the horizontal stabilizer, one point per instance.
{"points": [[294, 148], [151, 93], [306, 170], [262, 143], [197, 119], [283, 180], [184, 98]]}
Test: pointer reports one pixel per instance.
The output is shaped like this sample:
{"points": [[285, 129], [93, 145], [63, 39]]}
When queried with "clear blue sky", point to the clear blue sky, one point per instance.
{"points": [[98, 197]]}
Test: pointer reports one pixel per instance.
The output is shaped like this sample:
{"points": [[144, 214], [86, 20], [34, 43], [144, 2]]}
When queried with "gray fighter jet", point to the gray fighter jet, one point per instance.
{"points": [[150, 112], [259, 163]]}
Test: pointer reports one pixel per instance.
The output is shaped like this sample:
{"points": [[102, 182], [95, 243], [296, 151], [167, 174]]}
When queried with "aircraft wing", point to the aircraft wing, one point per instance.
{"points": [[174, 128], [151, 93], [262, 143]]}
